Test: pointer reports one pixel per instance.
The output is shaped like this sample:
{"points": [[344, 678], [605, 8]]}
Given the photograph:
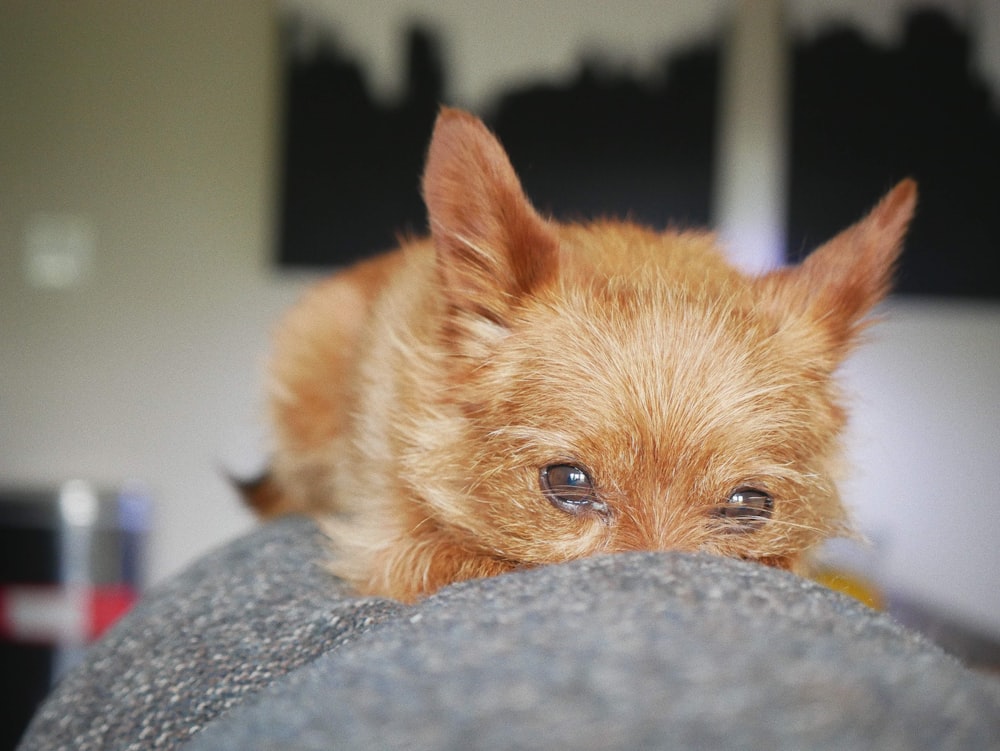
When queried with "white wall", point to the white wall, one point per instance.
{"points": [[503, 43], [925, 449], [156, 123]]}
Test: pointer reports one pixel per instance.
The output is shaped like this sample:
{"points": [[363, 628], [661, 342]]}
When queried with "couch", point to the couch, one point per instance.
{"points": [[257, 646]]}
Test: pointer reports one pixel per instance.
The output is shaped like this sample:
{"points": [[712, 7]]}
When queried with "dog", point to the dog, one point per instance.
{"points": [[512, 391]]}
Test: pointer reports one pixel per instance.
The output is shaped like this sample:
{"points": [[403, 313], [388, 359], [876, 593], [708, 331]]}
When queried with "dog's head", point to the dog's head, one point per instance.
{"points": [[619, 388]]}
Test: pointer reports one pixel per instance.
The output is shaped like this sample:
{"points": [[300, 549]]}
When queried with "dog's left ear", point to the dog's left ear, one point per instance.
{"points": [[840, 282]]}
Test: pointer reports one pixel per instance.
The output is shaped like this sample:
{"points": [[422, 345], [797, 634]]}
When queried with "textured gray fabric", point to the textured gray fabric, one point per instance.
{"points": [[257, 646], [638, 651], [205, 641]]}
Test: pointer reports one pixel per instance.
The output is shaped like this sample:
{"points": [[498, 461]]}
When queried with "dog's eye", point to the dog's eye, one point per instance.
{"points": [[570, 489], [746, 509]]}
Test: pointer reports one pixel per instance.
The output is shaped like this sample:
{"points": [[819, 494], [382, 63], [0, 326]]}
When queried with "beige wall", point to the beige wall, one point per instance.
{"points": [[156, 124], [925, 445]]}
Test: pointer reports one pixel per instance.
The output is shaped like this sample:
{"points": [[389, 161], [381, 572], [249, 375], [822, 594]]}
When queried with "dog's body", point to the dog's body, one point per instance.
{"points": [[513, 391]]}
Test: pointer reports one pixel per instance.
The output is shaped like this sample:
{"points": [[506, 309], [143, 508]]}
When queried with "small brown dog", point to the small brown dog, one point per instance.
{"points": [[514, 391]]}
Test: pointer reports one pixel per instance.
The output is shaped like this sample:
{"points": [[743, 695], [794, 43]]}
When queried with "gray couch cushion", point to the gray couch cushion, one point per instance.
{"points": [[223, 629], [627, 652], [257, 646]]}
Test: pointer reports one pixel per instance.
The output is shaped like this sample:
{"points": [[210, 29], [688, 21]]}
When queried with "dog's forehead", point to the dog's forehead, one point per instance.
{"points": [[648, 344], [677, 317], [652, 357], [659, 342], [662, 406]]}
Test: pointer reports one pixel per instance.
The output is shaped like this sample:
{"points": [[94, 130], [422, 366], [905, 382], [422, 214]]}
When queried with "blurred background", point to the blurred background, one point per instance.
{"points": [[148, 189]]}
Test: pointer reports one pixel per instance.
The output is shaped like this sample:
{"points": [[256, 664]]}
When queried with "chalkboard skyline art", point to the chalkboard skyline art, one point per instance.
{"points": [[610, 142], [351, 164], [605, 144], [865, 116]]}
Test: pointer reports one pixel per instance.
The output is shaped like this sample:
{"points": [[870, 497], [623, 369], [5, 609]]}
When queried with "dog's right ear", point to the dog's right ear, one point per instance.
{"points": [[492, 246]]}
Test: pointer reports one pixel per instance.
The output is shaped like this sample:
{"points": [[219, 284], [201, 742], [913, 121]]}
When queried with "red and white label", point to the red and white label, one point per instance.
{"points": [[51, 614]]}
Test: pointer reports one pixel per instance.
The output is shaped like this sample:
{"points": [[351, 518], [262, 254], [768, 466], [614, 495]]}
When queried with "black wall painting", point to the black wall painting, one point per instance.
{"points": [[865, 116], [351, 164], [610, 143], [606, 144]]}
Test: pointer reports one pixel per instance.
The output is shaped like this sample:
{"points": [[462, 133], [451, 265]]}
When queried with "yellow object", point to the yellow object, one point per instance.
{"points": [[851, 584]]}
